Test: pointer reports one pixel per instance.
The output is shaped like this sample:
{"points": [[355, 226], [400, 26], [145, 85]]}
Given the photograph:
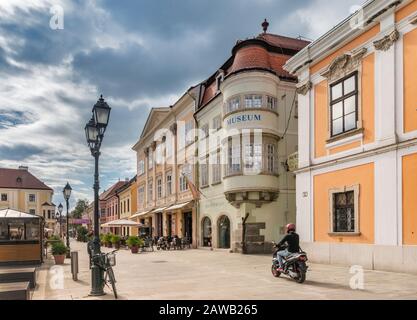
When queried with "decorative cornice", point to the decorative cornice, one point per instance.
{"points": [[386, 42], [344, 64], [305, 88]]}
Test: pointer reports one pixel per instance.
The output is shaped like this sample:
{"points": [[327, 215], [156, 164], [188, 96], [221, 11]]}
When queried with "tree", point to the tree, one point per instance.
{"points": [[80, 208]]}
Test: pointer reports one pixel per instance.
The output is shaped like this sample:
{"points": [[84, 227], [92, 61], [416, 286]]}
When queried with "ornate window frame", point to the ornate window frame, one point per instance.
{"points": [[356, 194]]}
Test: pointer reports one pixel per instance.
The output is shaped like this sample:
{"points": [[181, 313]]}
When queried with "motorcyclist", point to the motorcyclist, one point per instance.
{"points": [[293, 241]]}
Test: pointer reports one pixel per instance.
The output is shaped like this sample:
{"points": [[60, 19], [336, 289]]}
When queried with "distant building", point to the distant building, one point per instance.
{"points": [[109, 206], [20, 190]]}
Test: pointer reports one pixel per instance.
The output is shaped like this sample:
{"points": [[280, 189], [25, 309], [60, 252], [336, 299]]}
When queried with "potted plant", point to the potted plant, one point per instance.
{"points": [[102, 242], [107, 240], [59, 251], [134, 243], [115, 240]]}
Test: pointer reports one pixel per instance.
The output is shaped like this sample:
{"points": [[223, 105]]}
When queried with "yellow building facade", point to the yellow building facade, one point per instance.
{"points": [[22, 191], [357, 161], [128, 204]]}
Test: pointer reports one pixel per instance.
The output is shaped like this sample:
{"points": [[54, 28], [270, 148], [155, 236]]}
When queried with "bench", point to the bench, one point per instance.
{"points": [[18, 274], [15, 291]]}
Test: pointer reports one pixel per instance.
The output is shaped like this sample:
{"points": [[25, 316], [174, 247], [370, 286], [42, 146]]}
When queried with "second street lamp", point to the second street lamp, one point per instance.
{"points": [[94, 132], [60, 208], [67, 194]]}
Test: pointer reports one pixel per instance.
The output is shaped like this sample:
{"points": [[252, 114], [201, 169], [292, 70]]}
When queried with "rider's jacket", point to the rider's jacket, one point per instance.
{"points": [[293, 241]]}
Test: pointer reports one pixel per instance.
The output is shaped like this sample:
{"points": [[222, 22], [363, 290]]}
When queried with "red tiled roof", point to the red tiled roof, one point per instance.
{"points": [[266, 51], [20, 179], [284, 42], [112, 190]]}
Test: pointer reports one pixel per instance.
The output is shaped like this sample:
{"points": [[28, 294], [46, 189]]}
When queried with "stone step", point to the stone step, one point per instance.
{"points": [[18, 274], [15, 291]]}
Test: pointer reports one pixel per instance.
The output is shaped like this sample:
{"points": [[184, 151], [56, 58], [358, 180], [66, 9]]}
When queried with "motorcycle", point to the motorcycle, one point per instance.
{"points": [[294, 265]]}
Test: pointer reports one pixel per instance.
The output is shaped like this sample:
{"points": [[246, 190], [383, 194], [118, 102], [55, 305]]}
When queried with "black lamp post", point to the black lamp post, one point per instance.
{"points": [[67, 194], [94, 131], [60, 208]]}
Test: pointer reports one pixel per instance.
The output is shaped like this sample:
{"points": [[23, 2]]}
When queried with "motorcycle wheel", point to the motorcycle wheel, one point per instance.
{"points": [[274, 271], [302, 277]]}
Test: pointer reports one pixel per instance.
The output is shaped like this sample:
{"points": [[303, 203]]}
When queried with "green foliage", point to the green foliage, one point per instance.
{"points": [[82, 234], [59, 248], [54, 238], [115, 239], [80, 208], [107, 238], [134, 241]]}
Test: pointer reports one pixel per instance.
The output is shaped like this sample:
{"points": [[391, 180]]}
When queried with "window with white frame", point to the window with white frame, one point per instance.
{"points": [[4, 197], [159, 187], [185, 173], [169, 146], [344, 204], [253, 101], [159, 155], [141, 167], [141, 196], [233, 104], [253, 157], [150, 159], [216, 168], [189, 137], [169, 183], [204, 174], [150, 191], [271, 103], [205, 130], [32, 197], [344, 105], [32, 211], [234, 157], [217, 122], [271, 153]]}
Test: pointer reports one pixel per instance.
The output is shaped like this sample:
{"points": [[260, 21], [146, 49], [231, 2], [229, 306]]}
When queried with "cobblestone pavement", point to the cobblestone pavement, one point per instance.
{"points": [[204, 274]]}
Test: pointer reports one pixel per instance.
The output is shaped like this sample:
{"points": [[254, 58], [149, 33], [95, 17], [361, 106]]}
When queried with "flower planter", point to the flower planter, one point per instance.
{"points": [[59, 259], [109, 245], [117, 245], [134, 249]]}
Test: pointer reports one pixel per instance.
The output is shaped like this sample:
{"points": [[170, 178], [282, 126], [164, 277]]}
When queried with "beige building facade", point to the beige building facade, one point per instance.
{"points": [[22, 191]]}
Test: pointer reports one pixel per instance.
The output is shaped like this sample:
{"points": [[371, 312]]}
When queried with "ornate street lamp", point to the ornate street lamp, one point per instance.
{"points": [[67, 194], [60, 208], [94, 132]]}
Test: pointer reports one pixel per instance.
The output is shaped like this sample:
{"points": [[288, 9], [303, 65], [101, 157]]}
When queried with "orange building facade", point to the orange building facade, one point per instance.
{"points": [[356, 179]]}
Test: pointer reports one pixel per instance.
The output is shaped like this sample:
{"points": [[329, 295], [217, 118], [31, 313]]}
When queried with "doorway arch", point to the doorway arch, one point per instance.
{"points": [[224, 232], [206, 226]]}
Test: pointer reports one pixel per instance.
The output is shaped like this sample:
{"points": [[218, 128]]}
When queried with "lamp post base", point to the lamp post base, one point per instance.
{"points": [[96, 281]]}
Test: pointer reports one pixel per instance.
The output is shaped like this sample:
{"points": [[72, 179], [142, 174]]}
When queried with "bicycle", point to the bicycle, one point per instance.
{"points": [[105, 261]]}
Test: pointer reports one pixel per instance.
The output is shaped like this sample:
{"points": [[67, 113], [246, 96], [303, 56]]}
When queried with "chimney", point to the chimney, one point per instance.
{"points": [[26, 168]]}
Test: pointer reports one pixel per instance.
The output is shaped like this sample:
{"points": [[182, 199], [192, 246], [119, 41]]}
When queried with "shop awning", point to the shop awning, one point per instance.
{"points": [[121, 223], [178, 206], [10, 213], [139, 214], [158, 210]]}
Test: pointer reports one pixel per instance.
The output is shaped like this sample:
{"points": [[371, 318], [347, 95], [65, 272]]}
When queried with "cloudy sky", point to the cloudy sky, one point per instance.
{"points": [[138, 53]]}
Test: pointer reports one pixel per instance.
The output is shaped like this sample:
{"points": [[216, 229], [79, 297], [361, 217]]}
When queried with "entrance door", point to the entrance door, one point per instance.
{"points": [[224, 232], [206, 232], [188, 226]]}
